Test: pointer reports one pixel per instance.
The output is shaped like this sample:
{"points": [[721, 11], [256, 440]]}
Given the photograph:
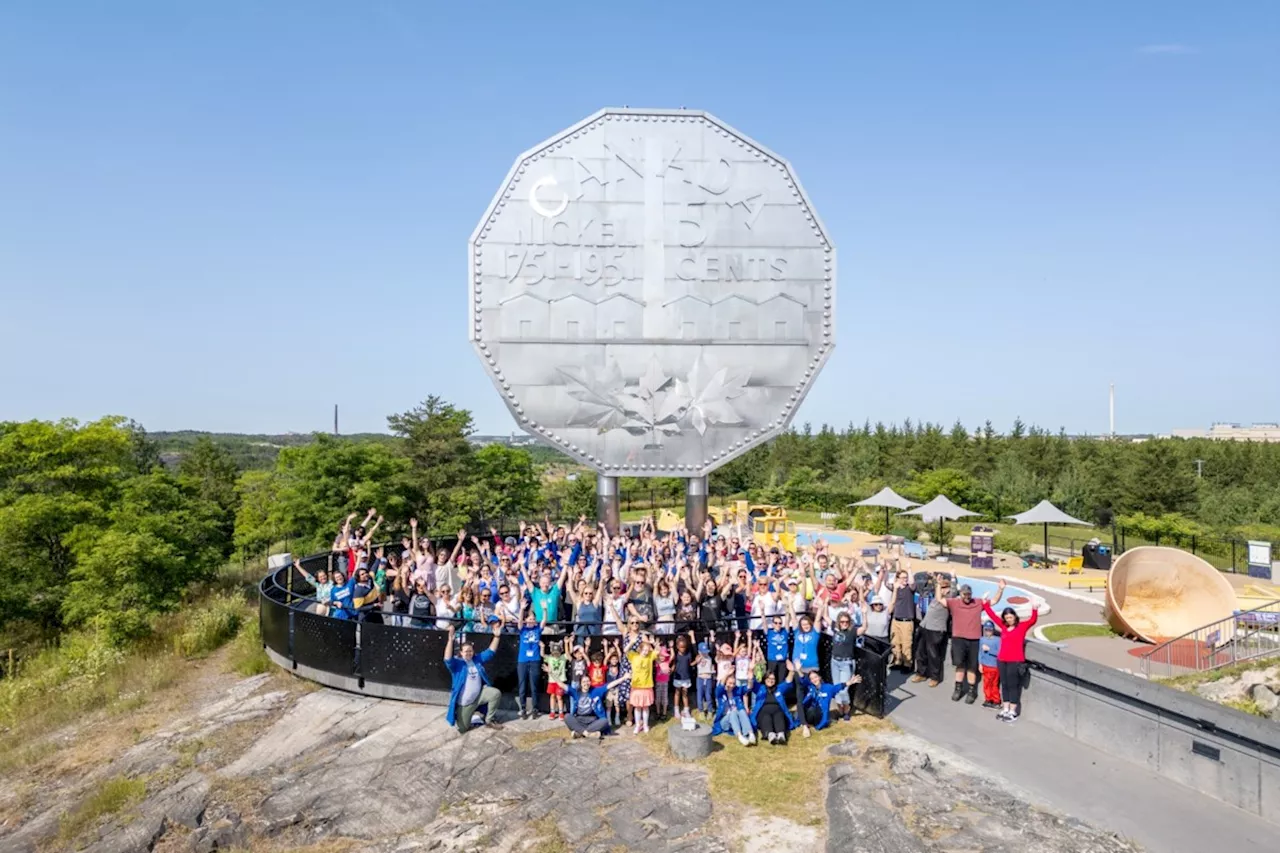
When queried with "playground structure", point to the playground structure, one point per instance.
{"points": [[1156, 593], [765, 524]]}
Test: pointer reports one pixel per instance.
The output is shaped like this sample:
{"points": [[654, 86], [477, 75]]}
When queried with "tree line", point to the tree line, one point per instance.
{"points": [[100, 528], [1182, 486]]}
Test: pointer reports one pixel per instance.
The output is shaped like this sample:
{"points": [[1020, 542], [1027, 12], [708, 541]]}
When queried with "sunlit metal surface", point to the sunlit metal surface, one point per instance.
{"points": [[652, 292]]}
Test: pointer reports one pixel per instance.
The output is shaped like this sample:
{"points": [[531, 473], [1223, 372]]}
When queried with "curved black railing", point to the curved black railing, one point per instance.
{"points": [[405, 662]]}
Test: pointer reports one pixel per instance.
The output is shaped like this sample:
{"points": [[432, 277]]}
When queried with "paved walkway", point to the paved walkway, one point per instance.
{"points": [[1067, 776], [1108, 651]]}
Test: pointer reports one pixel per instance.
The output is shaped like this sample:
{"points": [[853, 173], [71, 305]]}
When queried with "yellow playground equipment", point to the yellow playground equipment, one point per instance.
{"points": [[770, 531], [766, 524]]}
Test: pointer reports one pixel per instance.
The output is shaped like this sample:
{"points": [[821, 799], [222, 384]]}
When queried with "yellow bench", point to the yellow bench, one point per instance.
{"points": [[1073, 566]]}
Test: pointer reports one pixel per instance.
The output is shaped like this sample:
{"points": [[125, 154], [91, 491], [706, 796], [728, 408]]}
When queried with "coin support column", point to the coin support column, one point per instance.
{"points": [[695, 504], [608, 510]]}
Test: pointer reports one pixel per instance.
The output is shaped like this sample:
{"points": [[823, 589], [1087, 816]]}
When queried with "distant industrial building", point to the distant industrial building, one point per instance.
{"points": [[1233, 432], [513, 440]]}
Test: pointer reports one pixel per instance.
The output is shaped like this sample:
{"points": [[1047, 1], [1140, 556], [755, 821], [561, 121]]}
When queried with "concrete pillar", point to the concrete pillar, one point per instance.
{"points": [[608, 510], [695, 504]]}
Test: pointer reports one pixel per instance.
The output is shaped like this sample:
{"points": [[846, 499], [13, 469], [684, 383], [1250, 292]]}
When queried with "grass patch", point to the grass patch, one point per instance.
{"points": [[325, 845], [246, 655], [84, 674], [108, 798], [75, 684], [794, 773], [1247, 705], [1071, 630], [528, 740], [208, 627], [547, 837], [1194, 679]]}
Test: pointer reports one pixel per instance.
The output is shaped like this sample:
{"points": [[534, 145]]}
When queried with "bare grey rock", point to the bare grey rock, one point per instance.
{"points": [[1224, 690], [1253, 677], [140, 834], [223, 831], [1264, 698], [418, 778], [183, 802], [32, 834], [396, 777], [1246, 685], [899, 795]]}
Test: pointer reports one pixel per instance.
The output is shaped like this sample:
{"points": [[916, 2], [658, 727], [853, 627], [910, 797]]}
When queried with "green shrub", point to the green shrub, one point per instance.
{"points": [[247, 656], [906, 528], [110, 797], [1011, 542], [210, 626], [943, 538], [842, 521], [869, 519]]}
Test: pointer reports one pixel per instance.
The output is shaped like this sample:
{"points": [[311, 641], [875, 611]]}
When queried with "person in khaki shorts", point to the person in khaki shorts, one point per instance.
{"points": [[902, 608]]}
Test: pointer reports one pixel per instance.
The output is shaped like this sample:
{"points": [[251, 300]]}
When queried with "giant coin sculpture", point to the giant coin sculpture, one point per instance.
{"points": [[652, 294]]}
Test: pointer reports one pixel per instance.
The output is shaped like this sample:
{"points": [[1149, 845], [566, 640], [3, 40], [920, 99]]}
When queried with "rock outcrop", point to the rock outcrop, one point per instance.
{"points": [[898, 794], [287, 768], [1261, 686]]}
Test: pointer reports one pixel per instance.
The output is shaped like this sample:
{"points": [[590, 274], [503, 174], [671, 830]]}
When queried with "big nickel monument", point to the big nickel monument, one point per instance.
{"points": [[652, 294]]}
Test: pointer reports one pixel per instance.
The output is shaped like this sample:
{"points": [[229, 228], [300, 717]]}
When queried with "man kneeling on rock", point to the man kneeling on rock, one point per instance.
{"points": [[471, 687]]}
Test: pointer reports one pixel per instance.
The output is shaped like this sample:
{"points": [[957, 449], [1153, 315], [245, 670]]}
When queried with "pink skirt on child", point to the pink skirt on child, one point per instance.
{"points": [[641, 697]]}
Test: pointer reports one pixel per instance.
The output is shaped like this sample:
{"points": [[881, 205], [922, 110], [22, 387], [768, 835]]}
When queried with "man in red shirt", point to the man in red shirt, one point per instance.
{"points": [[966, 631]]}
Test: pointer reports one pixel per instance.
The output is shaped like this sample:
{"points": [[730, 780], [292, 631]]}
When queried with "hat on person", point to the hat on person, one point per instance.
{"points": [[873, 599], [703, 648]]}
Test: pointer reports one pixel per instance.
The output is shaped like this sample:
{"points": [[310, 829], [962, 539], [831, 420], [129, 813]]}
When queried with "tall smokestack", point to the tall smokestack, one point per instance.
{"points": [[1113, 410], [335, 417]]}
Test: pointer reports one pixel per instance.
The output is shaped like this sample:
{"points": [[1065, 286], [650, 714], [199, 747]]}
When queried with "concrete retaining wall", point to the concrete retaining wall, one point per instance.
{"points": [[1223, 753]]}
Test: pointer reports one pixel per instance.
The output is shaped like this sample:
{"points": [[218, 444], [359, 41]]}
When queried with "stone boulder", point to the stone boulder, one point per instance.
{"points": [[1224, 690], [1269, 677], [689, 744], [1267, 701]]}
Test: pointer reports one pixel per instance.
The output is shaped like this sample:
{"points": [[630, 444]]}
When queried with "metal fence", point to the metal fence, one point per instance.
{"points": [[368, 656], [1243, 636], [1222, 552]]}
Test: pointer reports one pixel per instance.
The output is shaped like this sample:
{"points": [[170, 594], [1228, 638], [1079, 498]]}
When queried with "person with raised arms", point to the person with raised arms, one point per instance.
{"points": [[1012, 657], [815, 707], [589, 718], [471, 687]]}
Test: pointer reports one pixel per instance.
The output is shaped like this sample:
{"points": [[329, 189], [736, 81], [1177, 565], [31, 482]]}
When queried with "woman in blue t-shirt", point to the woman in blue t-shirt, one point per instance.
{"points": [[804, 649], [589, 715], [529, 666], [815, 707]]}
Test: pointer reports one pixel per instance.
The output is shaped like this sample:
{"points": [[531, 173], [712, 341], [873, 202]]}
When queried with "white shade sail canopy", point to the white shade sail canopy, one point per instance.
{"points": [[1045, 513], [887, 497], [940, 507]]}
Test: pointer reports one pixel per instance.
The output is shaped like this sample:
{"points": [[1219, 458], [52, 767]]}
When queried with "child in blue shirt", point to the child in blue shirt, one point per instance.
{"points": [[988, 648]]}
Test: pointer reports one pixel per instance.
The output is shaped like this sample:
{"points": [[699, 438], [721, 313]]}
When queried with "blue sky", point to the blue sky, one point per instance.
{"points": [[230, 216]]}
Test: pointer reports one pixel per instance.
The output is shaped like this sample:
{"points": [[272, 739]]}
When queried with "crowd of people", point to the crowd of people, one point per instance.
{"points": [[622, 630]]}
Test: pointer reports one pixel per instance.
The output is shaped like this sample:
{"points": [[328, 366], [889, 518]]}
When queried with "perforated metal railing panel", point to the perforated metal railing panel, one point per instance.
{"points": [[324, 643]]}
